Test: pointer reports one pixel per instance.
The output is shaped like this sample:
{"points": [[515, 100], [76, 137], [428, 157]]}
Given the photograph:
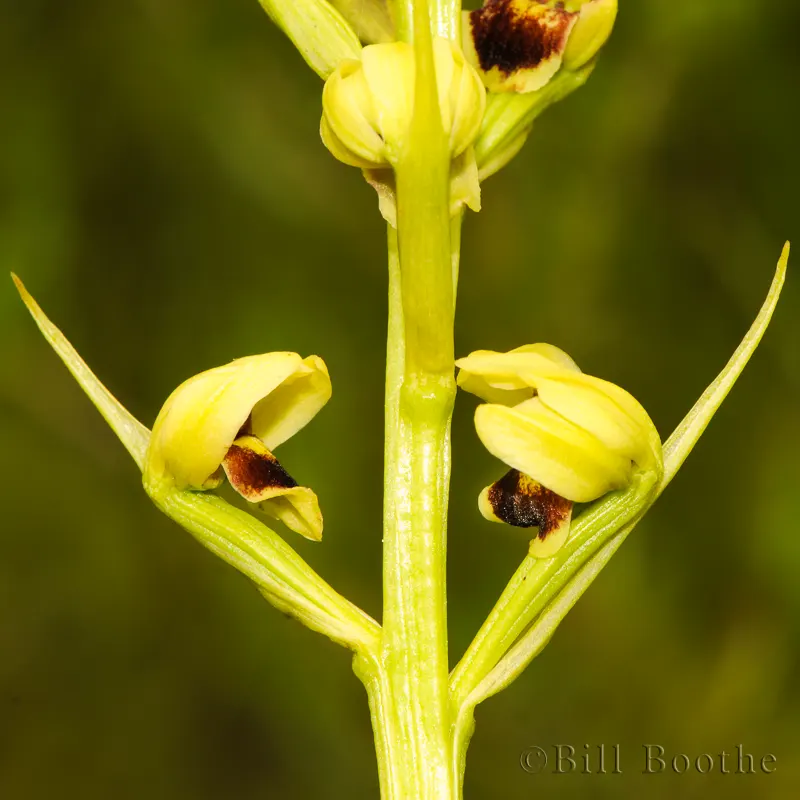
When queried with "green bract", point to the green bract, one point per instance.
{"points": [[319, 32]]}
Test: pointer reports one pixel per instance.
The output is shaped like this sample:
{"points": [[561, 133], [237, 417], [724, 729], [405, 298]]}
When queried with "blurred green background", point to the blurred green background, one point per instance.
{"points": [[164, 195]]}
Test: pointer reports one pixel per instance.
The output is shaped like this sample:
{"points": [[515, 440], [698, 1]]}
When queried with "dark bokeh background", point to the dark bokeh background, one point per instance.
{"points": [[164, 195]]}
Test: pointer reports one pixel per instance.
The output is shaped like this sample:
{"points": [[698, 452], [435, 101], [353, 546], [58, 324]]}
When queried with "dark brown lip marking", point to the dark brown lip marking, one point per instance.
{"points": [[250, 472], [520, 501], [509, 39]]}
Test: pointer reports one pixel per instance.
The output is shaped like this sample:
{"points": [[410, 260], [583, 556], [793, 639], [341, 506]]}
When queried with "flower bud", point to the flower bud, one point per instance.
{"points": [[229, 419], [519, 45], [368, 103], [568, 437]]}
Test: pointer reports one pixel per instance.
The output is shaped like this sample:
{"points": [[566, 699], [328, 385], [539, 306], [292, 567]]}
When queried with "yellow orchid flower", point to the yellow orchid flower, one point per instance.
{"points": [[568, 437], [229, 419]]}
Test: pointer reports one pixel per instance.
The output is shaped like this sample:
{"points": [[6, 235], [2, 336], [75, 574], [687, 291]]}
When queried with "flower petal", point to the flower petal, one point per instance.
{"points": [[255, 473], [551, 353], [509, 378], [506, 393], [518, 500], [293, 404], [561, 456], [349, 111], [590, 33], [338, 148], [583, 401], [297, 509], [606, 411], [468, 103], [388, 75], [203, 416]]}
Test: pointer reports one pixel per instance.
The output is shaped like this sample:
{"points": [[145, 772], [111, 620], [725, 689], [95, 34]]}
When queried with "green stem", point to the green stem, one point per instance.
{"points": [[444, 15], [420, 391], [400, 757], [390, 748], [388, 743], [418, 406]]}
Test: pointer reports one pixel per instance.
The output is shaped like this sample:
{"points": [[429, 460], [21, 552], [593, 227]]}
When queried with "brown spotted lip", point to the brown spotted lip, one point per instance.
{"points": [[252, 473], [518, 500], [508, 39]]}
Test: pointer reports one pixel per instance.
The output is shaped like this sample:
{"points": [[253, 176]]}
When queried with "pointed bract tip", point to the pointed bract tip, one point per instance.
{"points": [[23, 292], [133, 435], [33, 307], [687, 434]]}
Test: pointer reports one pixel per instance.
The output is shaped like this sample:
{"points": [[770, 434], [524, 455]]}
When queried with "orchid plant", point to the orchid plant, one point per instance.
{"points": [[428, 101]]}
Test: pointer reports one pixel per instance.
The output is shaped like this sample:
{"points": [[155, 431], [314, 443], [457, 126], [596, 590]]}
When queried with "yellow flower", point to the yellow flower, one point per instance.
{"points": [[229, 419], [519, 45], [568, 437]]}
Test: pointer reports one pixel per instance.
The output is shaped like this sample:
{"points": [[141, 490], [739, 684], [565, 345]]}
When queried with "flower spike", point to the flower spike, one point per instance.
{"points": [[568, 437]]}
